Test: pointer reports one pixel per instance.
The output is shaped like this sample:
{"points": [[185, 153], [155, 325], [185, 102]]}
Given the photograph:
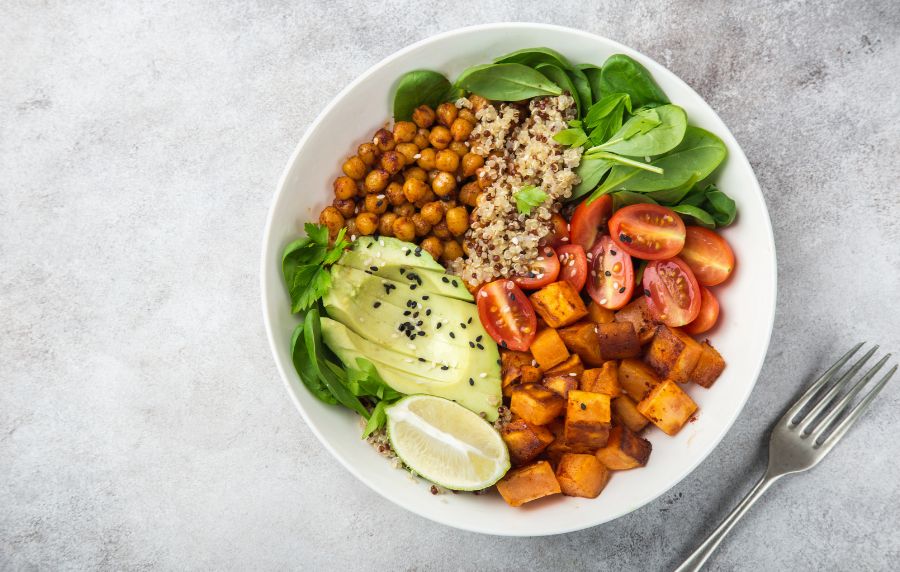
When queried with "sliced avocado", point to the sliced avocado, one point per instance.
{"points": [[437, 282], [392, 252], [404, 374]]}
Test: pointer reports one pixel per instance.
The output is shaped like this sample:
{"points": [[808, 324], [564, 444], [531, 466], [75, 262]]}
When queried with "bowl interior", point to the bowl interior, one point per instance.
{"points": [[742, 335]]}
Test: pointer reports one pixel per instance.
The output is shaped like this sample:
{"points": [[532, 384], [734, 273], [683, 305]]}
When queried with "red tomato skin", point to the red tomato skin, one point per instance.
{"points": [[601, 259], [514, 329], [573, 265], [549, 273], [655, 291], [626, 225], [709, 314], [702, 247], [589, 222], [560, 235]]}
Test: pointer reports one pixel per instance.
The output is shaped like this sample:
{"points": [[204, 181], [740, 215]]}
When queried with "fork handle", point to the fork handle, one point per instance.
{"points": [[696, 560]]}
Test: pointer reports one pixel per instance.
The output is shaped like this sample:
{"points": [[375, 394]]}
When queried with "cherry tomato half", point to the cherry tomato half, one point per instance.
{"points": [[544, 270], [507, 315], [673, 294], [611, 281], [709, 313], [589, 221], [560, 235], [573, 265], [646, 231], [708, 255]]}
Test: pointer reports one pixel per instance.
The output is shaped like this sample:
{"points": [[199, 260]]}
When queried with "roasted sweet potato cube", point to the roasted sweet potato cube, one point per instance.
{"points": [[572, 367], [581, 475], [558, 304], [618, 340], [638, 314], [673, 354], [636, 378], [588, 418], [625, 411], [561, 384], [581, 339], [525, 441], [528, 483], [599, 315], [548, 349], [604, 379], [559, 447], [624, 450], [667, 406], [709, 367], [536, 404], [516, 368]]}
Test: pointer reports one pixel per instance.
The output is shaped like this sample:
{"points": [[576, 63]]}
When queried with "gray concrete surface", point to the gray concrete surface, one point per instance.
{"points": [[142, 421]]}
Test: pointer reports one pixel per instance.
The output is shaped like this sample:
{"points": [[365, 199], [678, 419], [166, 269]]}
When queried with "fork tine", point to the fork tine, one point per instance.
{"points": [[856, 412], [838, 386], [825, 378], [822, 427]]}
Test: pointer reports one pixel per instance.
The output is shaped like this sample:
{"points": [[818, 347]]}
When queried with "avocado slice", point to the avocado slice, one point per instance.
{"points": [[393, 252]]}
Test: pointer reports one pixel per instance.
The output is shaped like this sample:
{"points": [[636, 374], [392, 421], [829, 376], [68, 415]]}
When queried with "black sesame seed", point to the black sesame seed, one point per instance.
{"points": [[469, 321], [503, 344], [407, 313], [373, 268], [418, 251], [370, 245], [368, 272], [472, 345], [402, 270], [452, 335], [412, 286], [439, 326], [415, 314], [499, 362], [419, 323], [421, 359], [646, 292], [583, 406], [461, 325], [613, 252], [478, 339], [471, 381], [608, 273], [428, 312], [512, 296], [445, 280], [421, 333], [376, 304], [455, 283], [425, 297], [408, 252], [624, 238], [622, 290], [481, 347], [445, 367]]}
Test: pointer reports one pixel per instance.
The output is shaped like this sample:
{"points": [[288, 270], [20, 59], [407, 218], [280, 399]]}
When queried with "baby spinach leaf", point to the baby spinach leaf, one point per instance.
{"points": [[649, 132], [305, 370], [532, 57], [562, 79], [312, 335], [572, 137], [625, 198], [720, 206], [583, 87], [591, 171], [506, 82], [699, 216], [420, 87], [622, 74], [605, 117], [592, 73], [675, 195], [529, 197], [624, 161]]}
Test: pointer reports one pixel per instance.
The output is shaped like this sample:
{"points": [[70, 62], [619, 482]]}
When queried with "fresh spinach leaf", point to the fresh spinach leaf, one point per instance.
{"points": [[591, 171], [649, 132], [420, 87], [506, 82], [572, 137], [675, 195], [583, 87], [377, 419], [532, 57], [529, 197], [626, 198], [312, 335], [720, 206], [624, 161], [562, 79], [364, 381], [305, 369], [699, 216], [622, 74], [592, 73], [604, 118]]}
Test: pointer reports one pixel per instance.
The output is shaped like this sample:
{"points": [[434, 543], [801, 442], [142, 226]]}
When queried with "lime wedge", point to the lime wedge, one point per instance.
{"points": [[446, 443]]}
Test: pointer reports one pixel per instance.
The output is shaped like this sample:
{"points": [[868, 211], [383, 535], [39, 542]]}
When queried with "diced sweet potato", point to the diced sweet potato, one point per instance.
{"points": [[516, 368], [625, 410], [636, 378], [536, 404], [548, 349], [528, 483], [581, 339], [638, 314], [581, 475], [618, 340], [667, 406], [604, 379], [709, 367], [600, 315], [673, 354], [624, 450], [525, 441], [558, 304], [569, 367], [561, 384], [559, 447], [588, 418]]}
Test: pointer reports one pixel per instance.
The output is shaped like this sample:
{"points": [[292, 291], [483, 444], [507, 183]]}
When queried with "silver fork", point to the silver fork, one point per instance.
{"points": [[801, 439]]}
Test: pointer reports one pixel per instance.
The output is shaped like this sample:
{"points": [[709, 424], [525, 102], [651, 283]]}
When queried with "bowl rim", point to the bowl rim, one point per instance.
{"points": [[736, 154]]}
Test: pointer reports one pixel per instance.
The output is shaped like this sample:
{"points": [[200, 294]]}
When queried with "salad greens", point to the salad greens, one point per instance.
{"points": [[506, 82], [421, 87], [304, 265], [622, 74], [529, 197]]}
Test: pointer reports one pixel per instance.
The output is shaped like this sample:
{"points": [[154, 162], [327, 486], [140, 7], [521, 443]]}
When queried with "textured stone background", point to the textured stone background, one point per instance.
{"points": [[142, 421]]}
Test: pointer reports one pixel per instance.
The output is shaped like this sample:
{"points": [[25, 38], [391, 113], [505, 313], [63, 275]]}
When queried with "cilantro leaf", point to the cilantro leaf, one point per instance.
{"points": [[311, 282], [304, 265], [528, 197]]}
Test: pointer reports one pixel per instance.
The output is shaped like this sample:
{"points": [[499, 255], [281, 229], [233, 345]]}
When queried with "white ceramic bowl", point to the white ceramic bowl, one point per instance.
{"points": [[742, 336]]}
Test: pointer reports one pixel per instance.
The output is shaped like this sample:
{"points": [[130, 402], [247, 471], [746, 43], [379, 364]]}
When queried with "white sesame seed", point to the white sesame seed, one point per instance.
{"points": [[602, 301], [408, 360], [482, 375], [411, 346], [573, 374], [417, 156]]}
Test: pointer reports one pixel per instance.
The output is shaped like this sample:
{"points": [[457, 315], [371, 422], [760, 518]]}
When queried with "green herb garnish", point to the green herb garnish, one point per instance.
{"points": [[304, 265], [528, 197]]}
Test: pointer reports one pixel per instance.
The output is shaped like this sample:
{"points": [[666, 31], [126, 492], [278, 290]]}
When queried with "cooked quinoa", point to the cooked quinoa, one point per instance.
{"points": [[517, 144]]}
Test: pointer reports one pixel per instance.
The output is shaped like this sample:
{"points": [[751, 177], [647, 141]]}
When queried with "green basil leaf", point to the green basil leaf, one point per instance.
{"points": [[572, 137], [591, 172], [377, 419], [622, 74], [592, 73], [721, 206], [506, 82], [627, 198], [649, 132], [529, 197], [420, 87], [532, 57], [562, 79], [700, 216], [305, 370]]}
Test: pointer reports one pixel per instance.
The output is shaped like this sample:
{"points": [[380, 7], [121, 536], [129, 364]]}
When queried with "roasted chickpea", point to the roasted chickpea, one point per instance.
{"points": [[414, 189], [449, 203], [386, 224], [440, 137], [446, 160], [422, 226], [452, 251], [461, 129], [354, 167], [333, 219], [404, 229], [443, 184], [429, 197], [433, 212], [440, 230], [468, 194], [377, 180], [368, 152], [446, 114], [366, 223], [478, 103], [395, 194], [344, 188], [433, 246], [467, 115], [350, 225], [405, 210], [484, 180], [384, 140], [377, 204], [404, 131], [458, 220], [471, 163], [459, 148], [421, 139], [408, 151], [423, 116], [415, 173], [392, 162], [347, 207], [427, 158]]}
